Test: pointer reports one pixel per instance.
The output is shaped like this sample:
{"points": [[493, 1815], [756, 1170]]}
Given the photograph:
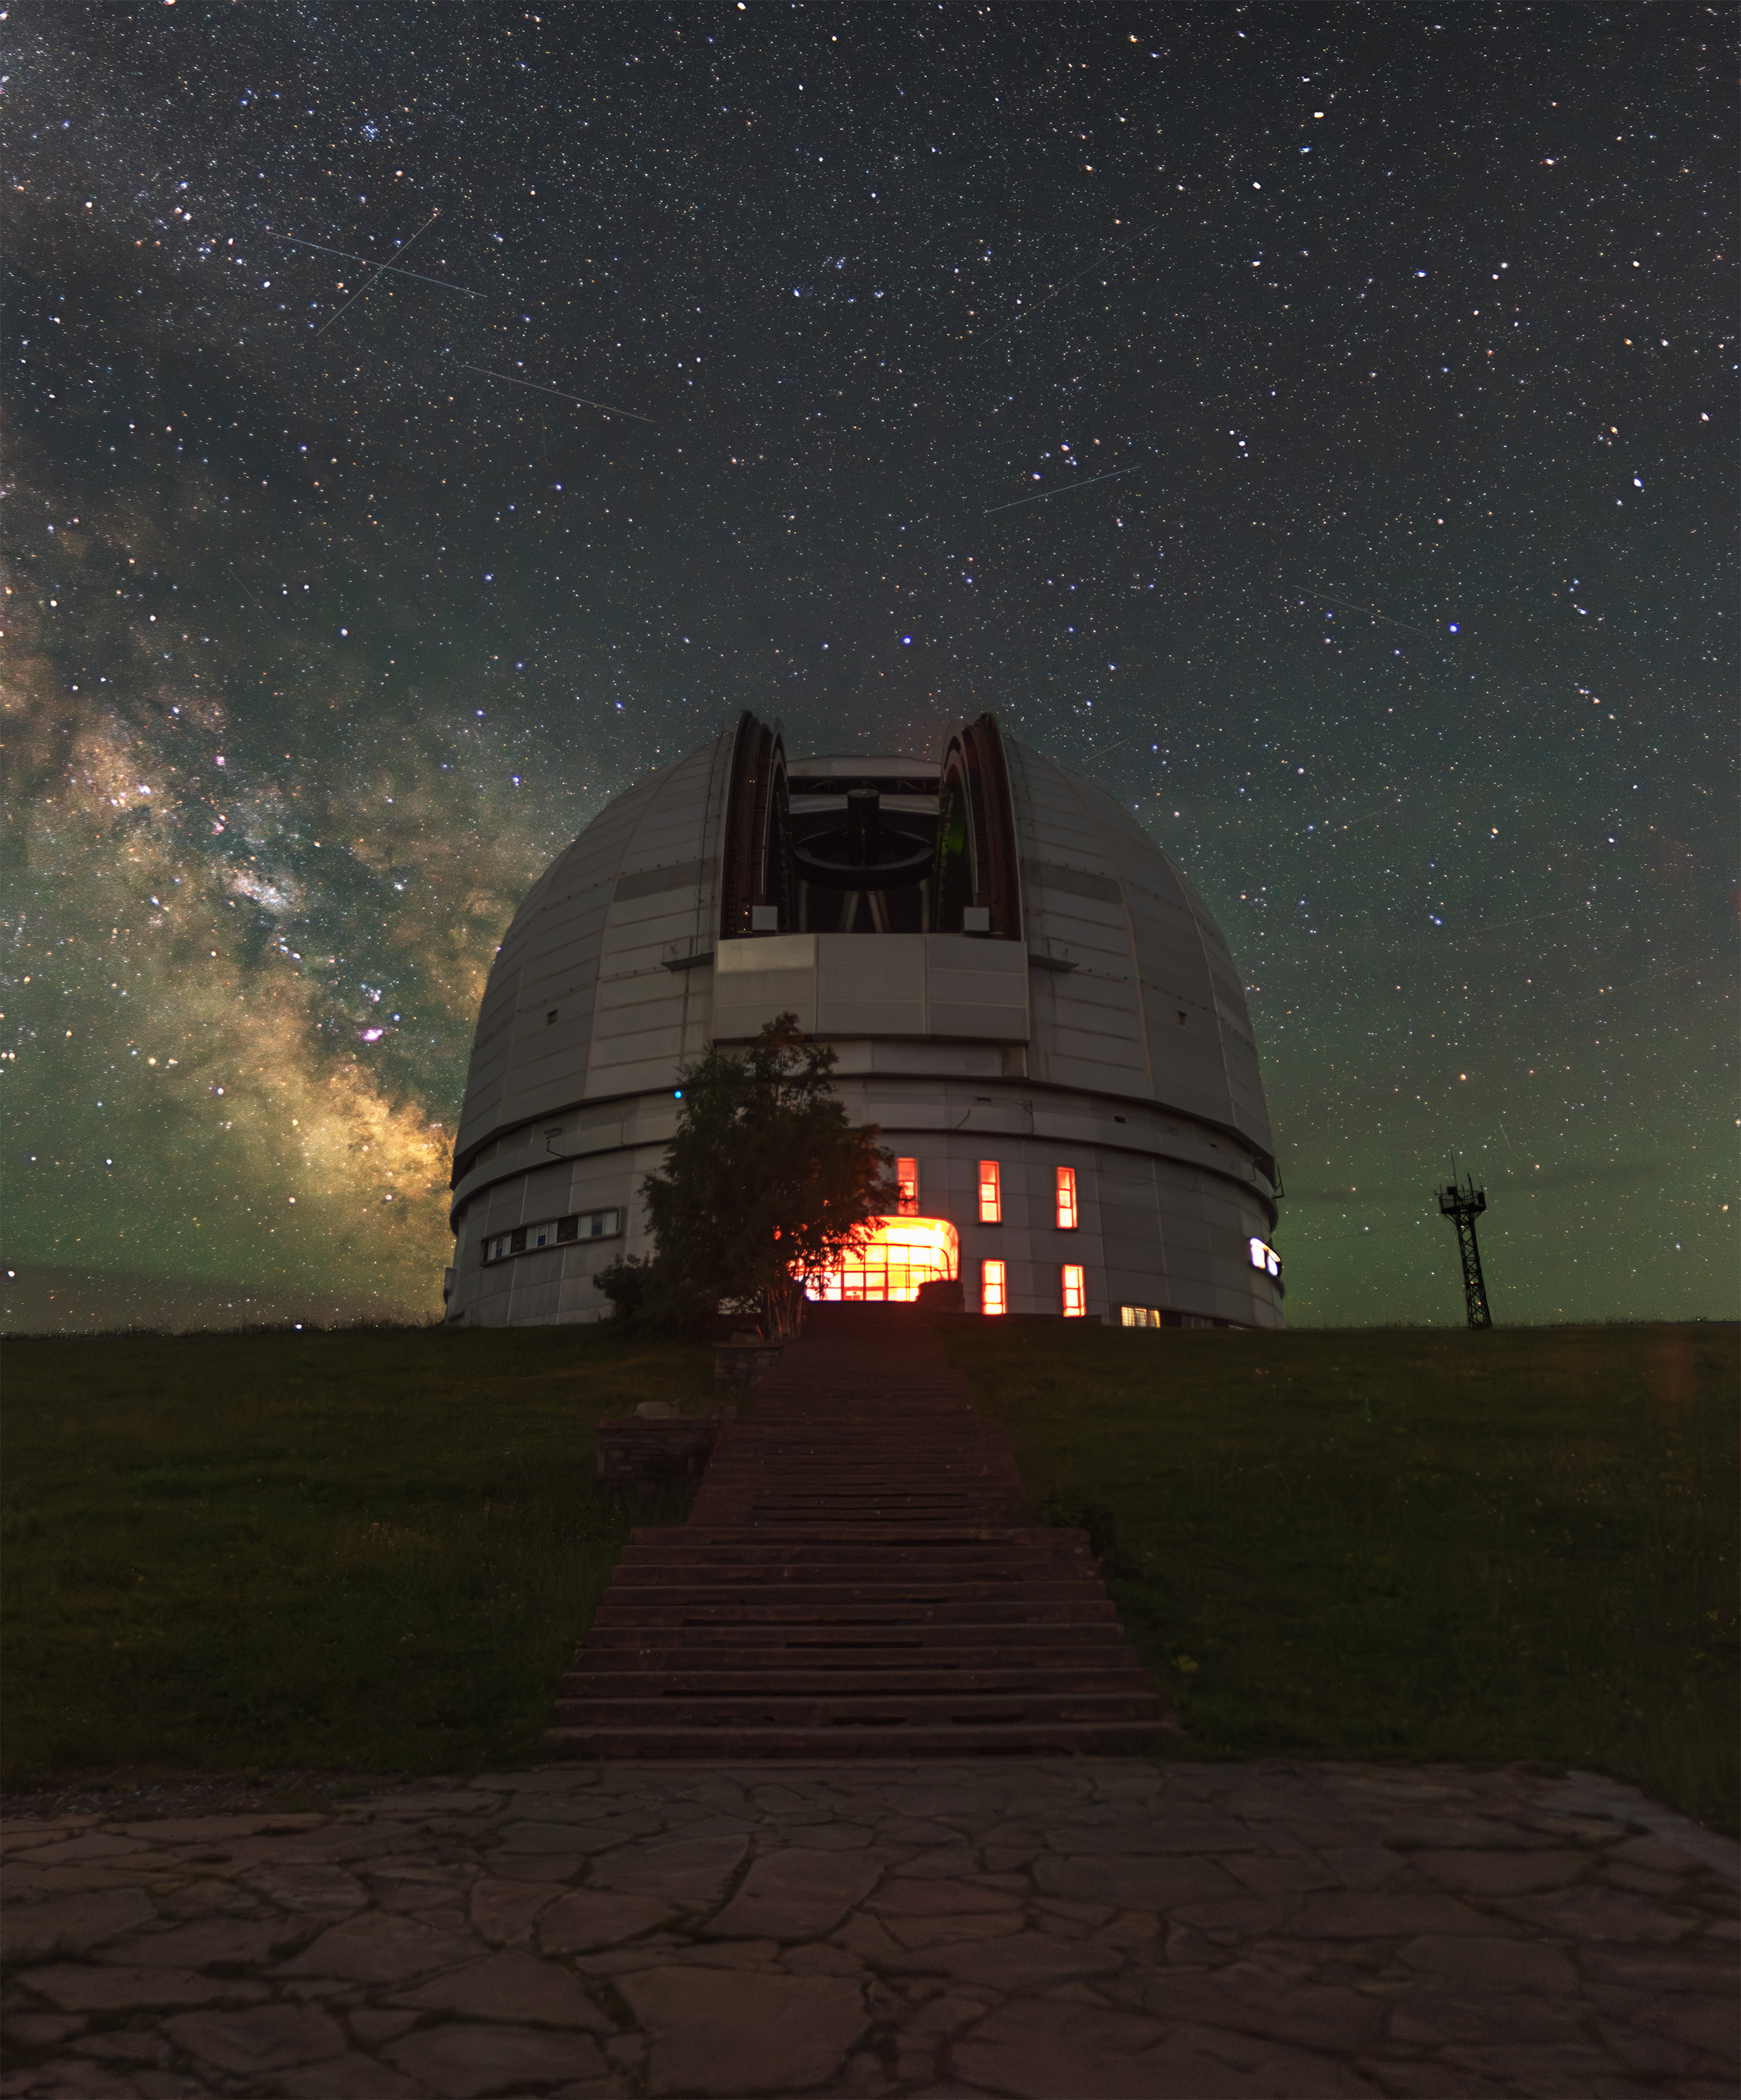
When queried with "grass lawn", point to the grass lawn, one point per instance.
{"points": [[1406, 1543], [376, 1551]]}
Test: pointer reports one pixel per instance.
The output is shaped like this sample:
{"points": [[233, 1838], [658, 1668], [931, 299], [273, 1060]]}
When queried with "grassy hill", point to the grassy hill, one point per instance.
{"points": [[1413, 1543], [376, 1550]]}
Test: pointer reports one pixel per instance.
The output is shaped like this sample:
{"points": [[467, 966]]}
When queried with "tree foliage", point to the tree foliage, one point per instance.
{"points": [[766, 1181]]}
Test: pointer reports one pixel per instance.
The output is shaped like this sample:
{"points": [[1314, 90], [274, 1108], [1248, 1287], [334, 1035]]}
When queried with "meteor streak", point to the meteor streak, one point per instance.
{"points": [[380, 271], [386, 269], [1047, 495], [1353, 605], [538, 388], [1028, 313]]}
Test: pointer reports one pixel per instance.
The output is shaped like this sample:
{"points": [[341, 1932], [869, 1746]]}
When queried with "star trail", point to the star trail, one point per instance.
{"points": [[741, 356]]}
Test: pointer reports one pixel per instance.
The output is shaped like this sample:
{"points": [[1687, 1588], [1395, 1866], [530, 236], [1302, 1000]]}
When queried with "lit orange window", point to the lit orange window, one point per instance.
{"points": [[991, 1196], [900, 1254], [992, 1287], [1076, 1293], [1066, 1199], [906, 1187]]}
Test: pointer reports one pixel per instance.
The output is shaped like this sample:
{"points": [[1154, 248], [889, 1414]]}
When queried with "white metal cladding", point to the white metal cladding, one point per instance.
{"points": [[589, 946], [1113, 1039], [1153, 1006], [872, 984]]}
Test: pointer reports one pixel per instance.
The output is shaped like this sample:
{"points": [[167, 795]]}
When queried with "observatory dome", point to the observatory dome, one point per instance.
{"points": [[1023, 992]]}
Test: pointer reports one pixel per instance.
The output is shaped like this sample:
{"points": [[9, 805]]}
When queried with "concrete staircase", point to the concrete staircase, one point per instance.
{"points": [[854, 1581]]}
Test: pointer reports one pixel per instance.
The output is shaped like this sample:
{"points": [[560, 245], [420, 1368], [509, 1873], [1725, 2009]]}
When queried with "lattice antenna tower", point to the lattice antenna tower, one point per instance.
{"points": [[1463, 1203]]}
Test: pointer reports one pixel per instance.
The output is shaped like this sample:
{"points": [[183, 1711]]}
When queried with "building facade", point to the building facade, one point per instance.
{"points": [[1024, 994]]}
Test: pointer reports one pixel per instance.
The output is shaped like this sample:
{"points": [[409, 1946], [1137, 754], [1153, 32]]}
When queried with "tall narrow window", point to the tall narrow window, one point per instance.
{"points": [[1076, 1293], [991, 1195], [992, 1287], [907, 1187], [1066, 1199]]}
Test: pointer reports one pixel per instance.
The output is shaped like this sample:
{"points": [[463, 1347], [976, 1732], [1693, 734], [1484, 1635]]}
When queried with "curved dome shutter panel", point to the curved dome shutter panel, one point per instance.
{"points": [[755, 859], [975, 870]]}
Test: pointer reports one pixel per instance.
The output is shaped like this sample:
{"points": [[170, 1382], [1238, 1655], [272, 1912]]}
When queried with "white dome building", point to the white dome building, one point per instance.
{"points": [[1023, 992]]}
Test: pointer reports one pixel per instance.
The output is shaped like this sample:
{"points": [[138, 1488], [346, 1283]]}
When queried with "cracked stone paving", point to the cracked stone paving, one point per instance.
{"points": [[1050, 1928]]}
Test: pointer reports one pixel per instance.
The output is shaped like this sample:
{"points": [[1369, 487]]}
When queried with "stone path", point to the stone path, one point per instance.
{"points": [[852, 1581], [1053, 1928]]}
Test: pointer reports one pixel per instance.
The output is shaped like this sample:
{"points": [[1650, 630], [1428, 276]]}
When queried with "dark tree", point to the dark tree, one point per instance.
{"points": [[765, 1182]]}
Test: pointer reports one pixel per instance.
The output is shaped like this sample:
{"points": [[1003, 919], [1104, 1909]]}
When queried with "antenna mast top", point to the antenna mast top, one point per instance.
{"points": [[1463, 1204]]}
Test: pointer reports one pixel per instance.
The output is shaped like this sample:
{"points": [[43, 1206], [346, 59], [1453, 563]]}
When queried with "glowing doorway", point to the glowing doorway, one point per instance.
{"points": [[903, 1254]]}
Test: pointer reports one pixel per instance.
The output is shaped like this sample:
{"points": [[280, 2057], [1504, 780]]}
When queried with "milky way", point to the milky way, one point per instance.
{"points": [[1375, 375]]}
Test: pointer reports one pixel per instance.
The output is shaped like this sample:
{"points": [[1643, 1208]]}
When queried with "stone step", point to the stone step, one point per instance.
{"points": [[860, 1542], [797, 1512], [844, 1589], [804, 1409], [844, 1503], [744, 1647], [879, 1709], [843, 1484], [792, 1550], [959, 1500], [804, 1404], [638, 1672], [1122, 1739], [917, 1470], [878, 1587], [820, 1449], [963, 1459], [879, 1462], [933, 1484], [772, 1483], [799, 1413], [690, 1678], [874, 1610], [739, 1574], [694, 1540], [910, 1467]]}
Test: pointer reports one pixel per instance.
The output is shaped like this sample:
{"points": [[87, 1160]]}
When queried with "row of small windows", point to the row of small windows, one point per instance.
{"points": [[554, 1232], [1263, 1256], [994, 1297], [990, 1192], [605, 1225], [992, 1195]]}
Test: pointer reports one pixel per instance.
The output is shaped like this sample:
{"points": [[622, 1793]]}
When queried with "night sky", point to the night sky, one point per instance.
{"points": [[1314, 423]]}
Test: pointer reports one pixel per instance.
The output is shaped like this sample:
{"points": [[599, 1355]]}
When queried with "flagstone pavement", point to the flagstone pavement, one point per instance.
{"points": [[1050, 1928]]}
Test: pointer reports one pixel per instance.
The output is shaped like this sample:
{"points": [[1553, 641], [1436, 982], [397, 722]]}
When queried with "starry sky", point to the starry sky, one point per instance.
{"points": [[1314, 423]]}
